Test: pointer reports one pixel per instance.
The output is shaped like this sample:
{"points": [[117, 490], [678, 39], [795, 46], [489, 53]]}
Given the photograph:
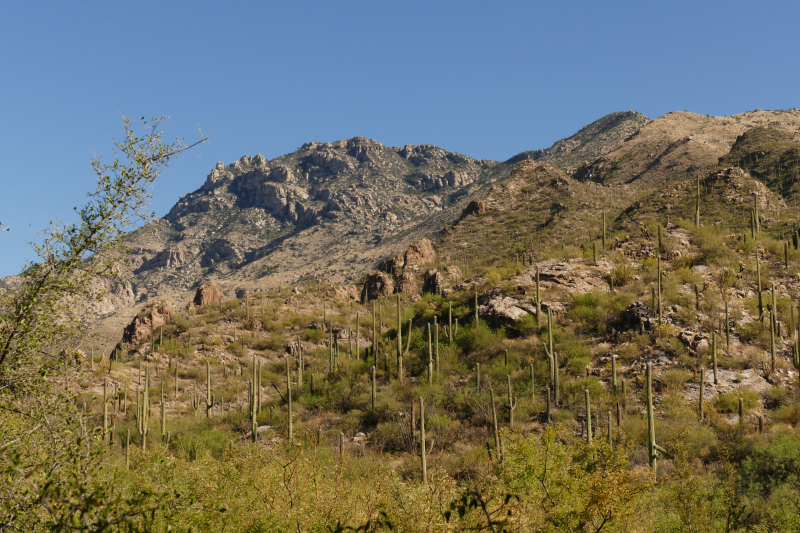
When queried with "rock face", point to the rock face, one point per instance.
{"points": [[420, 253], [406, 282], [146, 323], [376, 285], [207, 293]]}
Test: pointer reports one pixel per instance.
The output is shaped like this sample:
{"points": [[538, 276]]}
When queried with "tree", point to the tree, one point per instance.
{"points": [[49, 450]]}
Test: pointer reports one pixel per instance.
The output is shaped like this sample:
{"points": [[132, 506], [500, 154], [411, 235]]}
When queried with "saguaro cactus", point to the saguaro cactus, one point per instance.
{"points": [[538, 297], [512, 402], [128, 450], [697, 205], [702, 390], [422, 440], [436, 343], [772, 338], [430, 356], [450, 322], [604, 230], [588, 418], [358, 334], [614, 375], [143, 411], [796, 356], [373, 388], [210, 398], [548, 345], [660, 305], [652, 448], [714, 355], [399, 338], [651, 425], [727, 327], [494, 425], [289, 400], [253, 423], [476, 309], [163, 416]]}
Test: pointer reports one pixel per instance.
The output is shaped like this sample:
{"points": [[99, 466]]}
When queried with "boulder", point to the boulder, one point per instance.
{"points": [[376, 285], [420, 253], [208, 292], [143, 325], [405, 282]]}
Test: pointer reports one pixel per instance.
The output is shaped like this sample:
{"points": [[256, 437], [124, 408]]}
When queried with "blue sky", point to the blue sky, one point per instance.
{"points": [[487, 79]]}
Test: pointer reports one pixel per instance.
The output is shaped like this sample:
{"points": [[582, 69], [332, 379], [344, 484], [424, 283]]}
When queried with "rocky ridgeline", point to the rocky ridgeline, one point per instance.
{"points": [[330, 210]]}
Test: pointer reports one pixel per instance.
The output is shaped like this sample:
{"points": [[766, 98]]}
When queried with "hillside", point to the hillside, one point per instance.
{"points": [[612, 347]]}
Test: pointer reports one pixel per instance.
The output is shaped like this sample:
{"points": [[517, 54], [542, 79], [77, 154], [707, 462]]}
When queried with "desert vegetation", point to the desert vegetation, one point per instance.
{"points": [[595, 363]]}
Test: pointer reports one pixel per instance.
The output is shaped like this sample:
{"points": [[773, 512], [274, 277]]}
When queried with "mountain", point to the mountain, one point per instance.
{"points": [[329, 211], [592, 141]]}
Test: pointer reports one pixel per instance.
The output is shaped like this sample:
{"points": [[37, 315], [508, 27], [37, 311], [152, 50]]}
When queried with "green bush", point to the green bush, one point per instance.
{"points": [[728, 402]]}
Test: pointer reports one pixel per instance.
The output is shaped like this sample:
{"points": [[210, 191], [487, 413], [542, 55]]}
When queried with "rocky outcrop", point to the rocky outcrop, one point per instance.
{"points": [[143, 325], [220, 250], [168, 258], [393, 265], [376, 285], [207, 293], [577, 277], [499, 309], [406, 282], [475, 207], [433, 282], [344, 294], [453, 273], [282, 173], [420, 253]]}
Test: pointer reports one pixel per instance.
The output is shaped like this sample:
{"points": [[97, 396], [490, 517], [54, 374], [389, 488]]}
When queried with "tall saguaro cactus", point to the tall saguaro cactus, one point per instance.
{"points": [[143, 410], [697, 205], [538, 297], [210, 398], [702, 390], [422, 440], [652, 448], [289, 400], [604, 230], [512, 402], [494, 424], [399, 341], [588, 418]]}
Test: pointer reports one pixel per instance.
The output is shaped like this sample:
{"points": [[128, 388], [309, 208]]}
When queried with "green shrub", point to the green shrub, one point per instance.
{"points": [[728, 402]]}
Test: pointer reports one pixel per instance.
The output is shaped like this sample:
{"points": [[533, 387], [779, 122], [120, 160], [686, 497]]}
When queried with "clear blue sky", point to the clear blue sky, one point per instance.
{"points": [[487, 79]]}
